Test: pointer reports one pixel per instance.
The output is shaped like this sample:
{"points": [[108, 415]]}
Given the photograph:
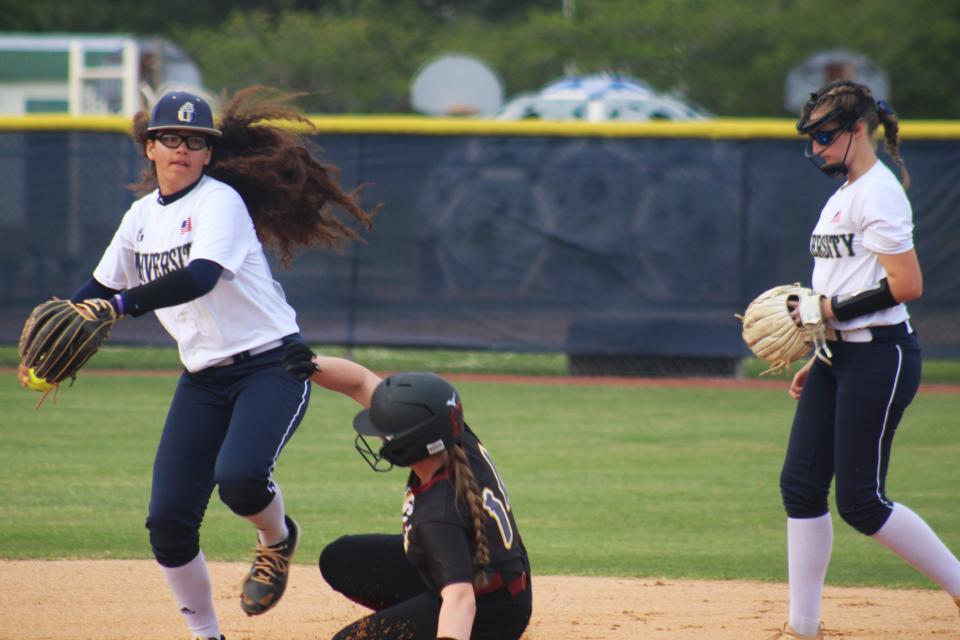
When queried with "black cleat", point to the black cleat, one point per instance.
{"points": [[267, 580]]}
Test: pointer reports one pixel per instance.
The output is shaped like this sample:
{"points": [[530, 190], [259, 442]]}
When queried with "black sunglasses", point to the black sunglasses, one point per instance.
{"points": [[824, 137], [173, 140]]}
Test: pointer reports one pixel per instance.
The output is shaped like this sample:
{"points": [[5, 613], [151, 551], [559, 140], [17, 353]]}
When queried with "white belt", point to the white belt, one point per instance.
{"points": [[243, 355], [858, 335]]}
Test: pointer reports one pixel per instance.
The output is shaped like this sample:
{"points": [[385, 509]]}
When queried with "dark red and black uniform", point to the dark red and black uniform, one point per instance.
{"points": [[400, 576]]}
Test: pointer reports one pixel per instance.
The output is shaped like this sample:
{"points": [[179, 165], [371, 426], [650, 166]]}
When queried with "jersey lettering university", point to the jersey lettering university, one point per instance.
{"points": [[151, 266]]}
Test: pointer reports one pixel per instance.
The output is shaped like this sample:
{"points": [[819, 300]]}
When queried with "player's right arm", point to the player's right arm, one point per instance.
{"points": [[904, 276], [337, 374], [796, 385], [457, 611], [449, 559], [93, 289], [345, 376]]}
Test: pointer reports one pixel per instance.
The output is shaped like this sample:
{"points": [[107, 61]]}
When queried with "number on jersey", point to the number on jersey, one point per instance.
{"points": [[499, 509]]}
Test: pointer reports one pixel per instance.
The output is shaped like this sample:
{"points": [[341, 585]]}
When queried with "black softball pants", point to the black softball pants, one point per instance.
{"points": [[844, 426], [372, 570]]}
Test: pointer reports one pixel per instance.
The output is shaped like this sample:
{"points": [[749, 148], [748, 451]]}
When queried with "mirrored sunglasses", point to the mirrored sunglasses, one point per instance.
{"points": [[824, 137], [173, 140]]}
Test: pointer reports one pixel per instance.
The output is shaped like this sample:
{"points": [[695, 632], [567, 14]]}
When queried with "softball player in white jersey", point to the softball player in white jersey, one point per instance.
{"points": [[865, 268], [244, 311], [190, 250]]}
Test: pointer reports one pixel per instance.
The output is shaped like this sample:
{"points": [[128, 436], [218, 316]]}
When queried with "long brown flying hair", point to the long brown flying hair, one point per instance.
{"points": [[289, 192]]}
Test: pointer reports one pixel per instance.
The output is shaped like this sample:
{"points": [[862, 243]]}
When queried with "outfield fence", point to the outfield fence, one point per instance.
{"points": [[627, 246]]}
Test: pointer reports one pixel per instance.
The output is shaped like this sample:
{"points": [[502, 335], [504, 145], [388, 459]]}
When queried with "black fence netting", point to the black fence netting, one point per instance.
{"points": [[629, 254]]}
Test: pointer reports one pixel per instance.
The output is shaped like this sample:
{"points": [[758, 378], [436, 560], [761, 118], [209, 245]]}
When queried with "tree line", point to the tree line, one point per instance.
{"points": [[358, 56]]}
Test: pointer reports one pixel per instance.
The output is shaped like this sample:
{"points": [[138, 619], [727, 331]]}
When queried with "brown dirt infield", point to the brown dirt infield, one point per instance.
{"points": [[128, 599]]}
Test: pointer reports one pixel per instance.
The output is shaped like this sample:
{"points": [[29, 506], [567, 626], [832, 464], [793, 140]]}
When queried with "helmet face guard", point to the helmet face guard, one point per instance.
{"points": [[846, 119], [416, 415], [373, 458], [402, 449], [830, 169]]}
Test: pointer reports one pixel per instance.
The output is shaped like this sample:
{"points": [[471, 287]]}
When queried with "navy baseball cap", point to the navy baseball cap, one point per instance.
{"points": [[182, 110]]}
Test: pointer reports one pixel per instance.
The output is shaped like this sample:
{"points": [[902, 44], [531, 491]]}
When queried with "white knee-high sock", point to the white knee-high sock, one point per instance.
{"points": [[907, 535], [194, 595], [809, 543], [271, 523]]}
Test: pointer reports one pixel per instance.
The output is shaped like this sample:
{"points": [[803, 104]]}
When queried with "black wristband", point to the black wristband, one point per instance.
{"points": [[869, 301]]}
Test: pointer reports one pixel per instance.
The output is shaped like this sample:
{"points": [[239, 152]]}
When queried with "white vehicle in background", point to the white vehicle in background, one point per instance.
{"points": [[599, 98]]}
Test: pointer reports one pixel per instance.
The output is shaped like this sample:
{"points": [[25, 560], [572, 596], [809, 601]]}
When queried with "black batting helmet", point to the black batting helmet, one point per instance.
{"points": [[417, 414], [182, 110]]}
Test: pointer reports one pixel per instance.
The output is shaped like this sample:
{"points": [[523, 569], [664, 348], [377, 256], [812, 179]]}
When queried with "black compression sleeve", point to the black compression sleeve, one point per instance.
{"points": [[176, 287], [92, 289], [869, 301], [205, 273]]}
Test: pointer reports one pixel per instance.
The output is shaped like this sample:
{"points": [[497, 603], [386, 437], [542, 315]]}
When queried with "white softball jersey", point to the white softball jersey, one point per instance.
{"points": [[870, 216], [246, 308]]}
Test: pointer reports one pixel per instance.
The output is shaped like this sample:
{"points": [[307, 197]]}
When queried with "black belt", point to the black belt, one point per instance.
{"points": [[249, 353]]}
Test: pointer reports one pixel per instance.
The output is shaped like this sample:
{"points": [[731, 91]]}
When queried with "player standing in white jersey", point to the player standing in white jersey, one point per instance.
{"points": [[191, 250], [865, 268]]}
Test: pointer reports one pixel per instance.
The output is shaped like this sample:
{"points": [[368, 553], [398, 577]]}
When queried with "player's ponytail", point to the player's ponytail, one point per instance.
{"points": [[467, 490], [891, 139]]}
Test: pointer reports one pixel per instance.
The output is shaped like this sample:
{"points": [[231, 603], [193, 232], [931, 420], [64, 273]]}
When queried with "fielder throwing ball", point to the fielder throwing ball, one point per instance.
{"points": [[849, 406], [191, 250], [459, 570]]}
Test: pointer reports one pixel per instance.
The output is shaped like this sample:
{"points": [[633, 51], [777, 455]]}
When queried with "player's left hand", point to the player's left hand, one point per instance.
{"points": [[298, 360], [806, 308]]}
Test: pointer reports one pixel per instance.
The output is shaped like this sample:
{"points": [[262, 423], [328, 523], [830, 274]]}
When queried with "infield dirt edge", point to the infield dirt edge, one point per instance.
{"points": [[127, 599]]}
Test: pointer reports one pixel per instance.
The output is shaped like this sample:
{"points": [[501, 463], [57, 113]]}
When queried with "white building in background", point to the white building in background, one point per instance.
{"points": [[88, 74]]}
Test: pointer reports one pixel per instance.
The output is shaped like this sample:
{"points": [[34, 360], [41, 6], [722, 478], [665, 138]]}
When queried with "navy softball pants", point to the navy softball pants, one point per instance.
{"points": [[844, 426], [226, 426]]}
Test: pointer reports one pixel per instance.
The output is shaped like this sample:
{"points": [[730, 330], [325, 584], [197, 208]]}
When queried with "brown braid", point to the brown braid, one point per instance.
{"points": [[287, 190], [466, 489], [847, 95], [891, 142]]}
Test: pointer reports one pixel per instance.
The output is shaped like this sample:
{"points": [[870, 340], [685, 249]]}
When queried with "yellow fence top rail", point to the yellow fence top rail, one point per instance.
{"points": [[717, 128]]}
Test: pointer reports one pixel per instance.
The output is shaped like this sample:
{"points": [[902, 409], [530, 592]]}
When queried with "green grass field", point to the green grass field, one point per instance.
{"points": [[621, 481], [448, 360]]}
